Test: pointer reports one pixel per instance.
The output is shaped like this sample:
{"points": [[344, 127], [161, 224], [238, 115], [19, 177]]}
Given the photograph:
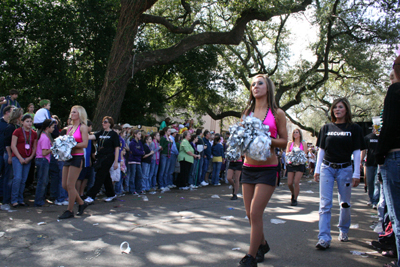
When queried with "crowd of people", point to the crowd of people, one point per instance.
{"points": [[122, 159]]}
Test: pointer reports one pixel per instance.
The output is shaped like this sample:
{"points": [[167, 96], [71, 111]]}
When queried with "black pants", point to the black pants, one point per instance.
{"points": [[183, 176], [103, 177]]}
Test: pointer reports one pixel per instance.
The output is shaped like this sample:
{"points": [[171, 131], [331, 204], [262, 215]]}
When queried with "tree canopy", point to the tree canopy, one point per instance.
{"points": [[132, 59]]}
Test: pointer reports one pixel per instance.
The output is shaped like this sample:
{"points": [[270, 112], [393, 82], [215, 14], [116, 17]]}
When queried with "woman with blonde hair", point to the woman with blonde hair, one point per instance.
{"points": [[295, 172], [259, 178], [72, 168]]}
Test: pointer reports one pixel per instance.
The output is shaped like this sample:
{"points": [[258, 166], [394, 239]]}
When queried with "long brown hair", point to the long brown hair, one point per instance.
{"points": [[301, 135], [251, 104], [396, 68], [346, 103]]}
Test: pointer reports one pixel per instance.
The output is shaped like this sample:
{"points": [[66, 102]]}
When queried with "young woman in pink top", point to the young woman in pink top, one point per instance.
{"points": [[295, 172], [73, 167], [259, 178]]}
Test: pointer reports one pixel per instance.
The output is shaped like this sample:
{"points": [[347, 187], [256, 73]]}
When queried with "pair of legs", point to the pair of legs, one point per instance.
{"points": [[233, 179], [256, 198], [294, 183], [70, 175], [81, 185]]}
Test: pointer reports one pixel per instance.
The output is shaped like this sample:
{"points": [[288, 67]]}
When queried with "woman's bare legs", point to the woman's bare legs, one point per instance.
{"points": [[69, 177], [290, 178], [256, 198], [297, 179]]}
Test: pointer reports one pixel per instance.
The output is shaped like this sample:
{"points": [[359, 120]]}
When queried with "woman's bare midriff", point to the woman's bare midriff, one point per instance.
{"points": [[273, 160]]}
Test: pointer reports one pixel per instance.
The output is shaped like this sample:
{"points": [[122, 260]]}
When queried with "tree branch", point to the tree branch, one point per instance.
{"points": [[146, 18], [234, 37], [222, 115], [301, 126]]}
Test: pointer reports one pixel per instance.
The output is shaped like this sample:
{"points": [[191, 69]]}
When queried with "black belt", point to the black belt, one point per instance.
{"points": [[336, 165]]}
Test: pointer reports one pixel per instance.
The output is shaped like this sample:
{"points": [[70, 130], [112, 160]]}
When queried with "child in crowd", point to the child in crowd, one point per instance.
{"points": [[146, 162], [135, 163], [42, 161], [155, 160], [217, 151]]}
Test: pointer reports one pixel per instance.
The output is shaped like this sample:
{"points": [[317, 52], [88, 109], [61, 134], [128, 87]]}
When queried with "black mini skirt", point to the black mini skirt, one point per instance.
{"points": [[235, 165], [76, 161], [296, 168], [260, 175]]}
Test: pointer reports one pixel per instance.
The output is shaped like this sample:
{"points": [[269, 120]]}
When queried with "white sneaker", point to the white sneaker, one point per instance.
{"points": [[162, 188], [193, 186], [152, 192], [170, 186], [184, 188], [239, 195], [322, 244], [5, 207], [89, 200], [343, 237], [217, 184], [166, 189], [109, 199], [173, 186], [204, 183], [61, 203], [230, 187]]}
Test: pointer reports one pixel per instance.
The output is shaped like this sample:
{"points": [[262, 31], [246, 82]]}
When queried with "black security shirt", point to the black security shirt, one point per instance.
{"points": [[340, 140], [107, 141], [371, 142]]}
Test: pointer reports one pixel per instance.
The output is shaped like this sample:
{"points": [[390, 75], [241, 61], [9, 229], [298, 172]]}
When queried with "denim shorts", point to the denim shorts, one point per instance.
{"points": [[76, 161], [260, 175]]}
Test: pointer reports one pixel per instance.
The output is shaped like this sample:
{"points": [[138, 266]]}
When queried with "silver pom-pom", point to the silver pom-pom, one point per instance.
{"points": [[250, 137], [296, 157], [62, 147]]}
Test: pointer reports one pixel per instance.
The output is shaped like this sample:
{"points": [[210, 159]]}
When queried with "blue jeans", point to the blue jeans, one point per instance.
{"points": [[216, 170], [194, 172], [42, 176], [153, 174], [373, 184], [118, 186], [171, 169], [7, 180], [163, 171], [391, 187], [135, 178], [206, 161], [146, 176], [344, 183], [2, 174], [62, 193], [21, 172]]}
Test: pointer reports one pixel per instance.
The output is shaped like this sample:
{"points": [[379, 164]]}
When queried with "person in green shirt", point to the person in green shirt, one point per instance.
{"points": [[165, 123], [186, 157]]}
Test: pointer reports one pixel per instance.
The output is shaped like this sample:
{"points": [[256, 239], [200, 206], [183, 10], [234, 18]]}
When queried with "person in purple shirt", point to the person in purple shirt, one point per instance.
{"points": [[135, 163]]}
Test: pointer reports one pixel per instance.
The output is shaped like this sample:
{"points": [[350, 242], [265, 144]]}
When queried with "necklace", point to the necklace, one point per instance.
{"points": [[101, 142]]}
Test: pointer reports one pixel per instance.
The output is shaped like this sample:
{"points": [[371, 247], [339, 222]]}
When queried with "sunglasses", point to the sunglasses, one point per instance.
{"points": [[105, 121]]}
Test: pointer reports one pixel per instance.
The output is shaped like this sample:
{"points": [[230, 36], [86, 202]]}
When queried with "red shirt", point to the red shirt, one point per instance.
{"points": [[21, 142]]}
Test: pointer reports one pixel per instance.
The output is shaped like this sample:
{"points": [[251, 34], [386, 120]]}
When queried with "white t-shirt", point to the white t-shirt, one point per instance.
{"points": [[41, 115]]}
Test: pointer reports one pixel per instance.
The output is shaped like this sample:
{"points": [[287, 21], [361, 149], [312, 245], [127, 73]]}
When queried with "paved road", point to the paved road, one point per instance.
{"points": [[183, 228]]}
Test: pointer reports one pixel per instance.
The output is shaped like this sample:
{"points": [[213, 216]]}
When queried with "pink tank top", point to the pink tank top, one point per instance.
{"points": [[270, 121], [301, 146]]}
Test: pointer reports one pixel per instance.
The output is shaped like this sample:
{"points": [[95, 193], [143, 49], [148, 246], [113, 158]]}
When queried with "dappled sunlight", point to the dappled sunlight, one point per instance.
{"points": [[309, 217]]}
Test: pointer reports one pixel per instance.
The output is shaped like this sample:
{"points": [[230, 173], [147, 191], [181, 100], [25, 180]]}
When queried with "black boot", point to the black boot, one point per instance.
{"points": [[262, 250], [234, 197]]}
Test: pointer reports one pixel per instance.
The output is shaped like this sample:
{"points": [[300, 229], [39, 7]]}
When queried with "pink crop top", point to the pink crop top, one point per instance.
{"points": [[77, 134], [301, 146], [270, 121]]}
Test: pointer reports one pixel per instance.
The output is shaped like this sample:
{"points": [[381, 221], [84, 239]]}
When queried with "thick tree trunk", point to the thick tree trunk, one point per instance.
{"points": [[119, 69]]}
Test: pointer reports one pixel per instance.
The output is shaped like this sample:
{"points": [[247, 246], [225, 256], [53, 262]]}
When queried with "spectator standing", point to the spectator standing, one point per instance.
{"points": [[185, 158], [23, 146], [218, 154], [388, 154], [166, 144], [42, 161], [10, 100], [173, 158], [206, 157], [6, 178], [135, 163], [155, 160]]}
